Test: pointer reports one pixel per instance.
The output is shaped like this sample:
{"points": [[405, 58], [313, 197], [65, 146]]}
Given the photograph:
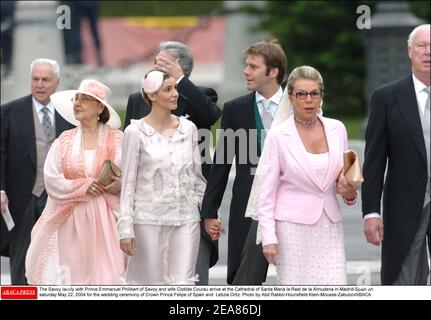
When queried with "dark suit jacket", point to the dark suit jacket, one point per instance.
{"points": [[200, 104], [394, 133], [237, 114], [18, 158]]}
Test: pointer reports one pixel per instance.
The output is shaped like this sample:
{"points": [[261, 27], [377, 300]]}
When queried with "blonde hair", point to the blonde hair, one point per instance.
{"points": [[304, 73]]}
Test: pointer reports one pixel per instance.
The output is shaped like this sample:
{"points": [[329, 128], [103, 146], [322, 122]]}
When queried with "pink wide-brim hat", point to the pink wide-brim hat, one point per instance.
{"points": [[62, 101]]}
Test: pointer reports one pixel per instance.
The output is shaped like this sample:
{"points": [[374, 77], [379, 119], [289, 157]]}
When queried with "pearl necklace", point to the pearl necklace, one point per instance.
{"points": [[306, 123]]}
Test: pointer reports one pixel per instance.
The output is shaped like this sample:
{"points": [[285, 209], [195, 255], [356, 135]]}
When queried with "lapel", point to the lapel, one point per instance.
{"points": [[333, 141], [60, 124], [408, 106], [247, 112], [298, 151], [25, 124]]}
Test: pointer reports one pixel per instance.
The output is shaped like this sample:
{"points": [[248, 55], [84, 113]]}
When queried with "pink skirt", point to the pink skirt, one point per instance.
{"points": [[311, 254], [88, 245]]}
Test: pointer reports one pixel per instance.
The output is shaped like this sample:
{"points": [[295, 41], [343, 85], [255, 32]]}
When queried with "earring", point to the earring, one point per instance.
{"points": [[98, 117]]}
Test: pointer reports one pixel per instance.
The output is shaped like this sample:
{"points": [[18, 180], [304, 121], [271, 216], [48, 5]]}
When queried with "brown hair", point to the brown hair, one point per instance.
{"points": [[144, 95], [273, 56], [104, 116]]}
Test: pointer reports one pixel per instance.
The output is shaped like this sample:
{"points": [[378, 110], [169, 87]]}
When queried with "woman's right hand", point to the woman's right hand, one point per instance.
{"points": [[128, 246], [95, 189], [270, 252]]}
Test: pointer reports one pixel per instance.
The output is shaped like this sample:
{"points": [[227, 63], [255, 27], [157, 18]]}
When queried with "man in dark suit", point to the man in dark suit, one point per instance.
{"points": [[242, 121], [198, 104], [398, 135], [29, 125]]}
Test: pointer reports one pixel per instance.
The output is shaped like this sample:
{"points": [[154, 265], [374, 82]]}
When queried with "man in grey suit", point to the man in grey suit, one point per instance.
{"points": [[29, 125], [398, 136]]}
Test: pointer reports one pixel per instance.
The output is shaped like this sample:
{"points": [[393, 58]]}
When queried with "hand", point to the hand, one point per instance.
{"points": [[115, 186], [95, 189], [128, 246], [170, 66], [4, 201], [347, 190], [270, 252], [373, 230], [214, 228]]}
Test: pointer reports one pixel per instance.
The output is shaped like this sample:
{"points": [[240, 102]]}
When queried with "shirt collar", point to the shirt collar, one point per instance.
{"points": [[149, 130], [39, 106], [419, 86], [276, 98]]}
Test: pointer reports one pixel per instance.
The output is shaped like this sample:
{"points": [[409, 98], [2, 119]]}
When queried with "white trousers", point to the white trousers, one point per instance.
{"points": [[164, 255]]}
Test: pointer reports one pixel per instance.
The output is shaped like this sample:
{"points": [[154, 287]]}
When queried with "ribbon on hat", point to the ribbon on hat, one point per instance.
{"points": [[152, 82]]}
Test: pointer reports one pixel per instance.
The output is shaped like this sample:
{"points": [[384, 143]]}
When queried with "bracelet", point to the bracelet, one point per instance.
{"points": [[351, 202]]}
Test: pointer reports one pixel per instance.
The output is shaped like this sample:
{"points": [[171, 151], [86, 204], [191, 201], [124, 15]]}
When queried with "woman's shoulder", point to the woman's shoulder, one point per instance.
{"points": [[186, 125], [67, 134], [335, 123], [114, 132]]}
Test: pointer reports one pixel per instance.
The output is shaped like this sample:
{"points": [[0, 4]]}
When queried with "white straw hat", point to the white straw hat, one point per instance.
{"points": [[62, 101]]}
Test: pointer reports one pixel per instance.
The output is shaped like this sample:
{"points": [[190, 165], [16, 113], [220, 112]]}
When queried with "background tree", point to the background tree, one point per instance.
{"points": [[323, 34]]}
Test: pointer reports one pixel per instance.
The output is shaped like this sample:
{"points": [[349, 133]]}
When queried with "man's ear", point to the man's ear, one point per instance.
{"points": [[274, 73]]}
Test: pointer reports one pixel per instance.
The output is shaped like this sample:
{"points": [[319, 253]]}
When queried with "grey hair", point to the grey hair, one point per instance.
{"points": [[182, 52], [304, 73], [50, 62], [413, 34]]}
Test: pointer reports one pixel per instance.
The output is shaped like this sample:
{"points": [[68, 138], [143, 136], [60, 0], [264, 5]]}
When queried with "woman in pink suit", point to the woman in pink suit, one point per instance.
{"points": [[74, 242], [299, 216]]}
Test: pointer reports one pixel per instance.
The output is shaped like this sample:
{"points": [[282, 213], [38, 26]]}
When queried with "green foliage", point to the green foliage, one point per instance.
{"points": [[158, 8], [323, 34], [421, 9]]}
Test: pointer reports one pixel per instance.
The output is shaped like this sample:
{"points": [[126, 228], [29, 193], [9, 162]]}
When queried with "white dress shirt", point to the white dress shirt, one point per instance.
{"points": [[274, 101], [38, 106]]}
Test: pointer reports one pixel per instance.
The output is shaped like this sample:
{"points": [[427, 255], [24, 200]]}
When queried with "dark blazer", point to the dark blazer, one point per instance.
{"points": [[18, 158], [199, 103], [237, 114], [394, 134]]}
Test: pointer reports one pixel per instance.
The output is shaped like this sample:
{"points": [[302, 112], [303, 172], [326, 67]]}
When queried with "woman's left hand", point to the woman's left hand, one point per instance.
{"points": [[347, 190], [115, 186]]}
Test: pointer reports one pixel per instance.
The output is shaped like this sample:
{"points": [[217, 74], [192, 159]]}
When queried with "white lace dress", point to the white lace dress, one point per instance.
{"points": [[311, 254]]}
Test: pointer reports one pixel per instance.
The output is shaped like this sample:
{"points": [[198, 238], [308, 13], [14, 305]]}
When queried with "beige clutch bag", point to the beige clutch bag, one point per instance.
{"points": [[352, 168], [108, 170]]}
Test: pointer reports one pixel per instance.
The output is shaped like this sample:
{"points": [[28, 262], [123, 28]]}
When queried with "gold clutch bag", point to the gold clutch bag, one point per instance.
{"points": [[352, 168], [108, 170]]}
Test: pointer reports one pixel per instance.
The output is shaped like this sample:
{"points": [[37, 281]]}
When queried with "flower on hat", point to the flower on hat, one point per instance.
{"points": [[94, 88], [152, 82]]}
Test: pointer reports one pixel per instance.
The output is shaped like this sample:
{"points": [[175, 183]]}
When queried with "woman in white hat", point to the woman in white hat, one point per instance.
{"points": [[162, 190], [74, 242]]}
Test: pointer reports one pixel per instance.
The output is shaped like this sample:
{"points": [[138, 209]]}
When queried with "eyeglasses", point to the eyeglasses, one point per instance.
{"points": [[82, 99], [302, 95]]}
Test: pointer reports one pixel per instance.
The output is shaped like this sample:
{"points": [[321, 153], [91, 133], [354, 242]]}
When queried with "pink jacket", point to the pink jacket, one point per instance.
{"points": [[289, 189]]}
